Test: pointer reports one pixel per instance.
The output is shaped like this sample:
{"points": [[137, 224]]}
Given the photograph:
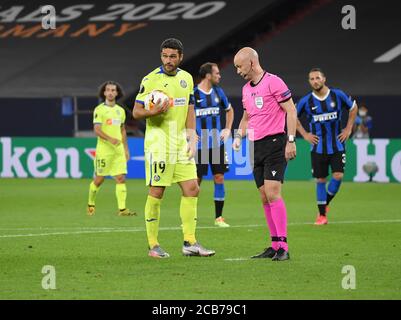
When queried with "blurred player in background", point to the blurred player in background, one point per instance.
{"points": [[112, 151], [267, 105], [323, 108], [170, 147], [363, 123], [210, 101]]}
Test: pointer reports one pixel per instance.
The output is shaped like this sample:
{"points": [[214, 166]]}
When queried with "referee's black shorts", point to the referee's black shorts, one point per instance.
{"points": [[269, 161], [321, 163], [216, 157]]}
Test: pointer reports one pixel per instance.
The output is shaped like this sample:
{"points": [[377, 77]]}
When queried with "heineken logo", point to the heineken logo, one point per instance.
{"points": [[39, 161]]}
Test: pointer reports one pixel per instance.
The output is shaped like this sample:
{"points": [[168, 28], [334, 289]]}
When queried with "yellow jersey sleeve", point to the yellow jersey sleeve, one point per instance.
{"points": [[123, 116], [98, 115], [145, 88]]}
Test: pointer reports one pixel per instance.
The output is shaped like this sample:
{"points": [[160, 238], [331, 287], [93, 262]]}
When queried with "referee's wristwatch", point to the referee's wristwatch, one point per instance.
{"points": [[291, 138]]}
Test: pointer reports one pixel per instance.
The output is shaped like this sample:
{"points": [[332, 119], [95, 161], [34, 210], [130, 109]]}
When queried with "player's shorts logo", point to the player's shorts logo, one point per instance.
{"points": [[343, 158], [156, 178], [183, 83]]}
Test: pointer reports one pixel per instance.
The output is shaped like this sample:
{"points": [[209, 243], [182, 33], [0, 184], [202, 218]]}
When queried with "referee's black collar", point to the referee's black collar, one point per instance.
{"points": [[255, 84]]}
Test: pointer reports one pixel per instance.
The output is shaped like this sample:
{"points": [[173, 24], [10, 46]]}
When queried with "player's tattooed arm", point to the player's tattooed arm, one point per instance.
{"points": [[139, 112]]}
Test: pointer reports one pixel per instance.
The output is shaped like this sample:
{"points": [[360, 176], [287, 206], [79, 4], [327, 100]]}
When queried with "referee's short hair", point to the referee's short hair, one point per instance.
{"points": [[315, 69], [172, 43], [120, 92], [206, 68]]}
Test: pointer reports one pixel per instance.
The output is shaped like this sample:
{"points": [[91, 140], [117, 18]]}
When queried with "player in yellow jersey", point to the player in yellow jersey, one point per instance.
{"points": [[112, 151], [170, 146]]}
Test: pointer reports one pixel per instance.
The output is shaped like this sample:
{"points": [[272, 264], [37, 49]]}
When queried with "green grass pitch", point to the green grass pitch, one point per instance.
{"points": [[43, 222]]}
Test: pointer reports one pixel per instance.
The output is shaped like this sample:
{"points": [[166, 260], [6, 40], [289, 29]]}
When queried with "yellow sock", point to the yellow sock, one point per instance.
{"points": [[188, 213], [121, 194], [92, 193], [152, 219]]}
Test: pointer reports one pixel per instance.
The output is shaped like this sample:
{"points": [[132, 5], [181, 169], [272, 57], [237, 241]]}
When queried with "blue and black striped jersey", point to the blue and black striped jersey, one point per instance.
{"points": [[208, 108], [324, 117]]}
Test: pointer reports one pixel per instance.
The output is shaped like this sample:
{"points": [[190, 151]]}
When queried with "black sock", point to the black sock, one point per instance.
{"points": [[322, 209], [219, 208], [329, 198]]}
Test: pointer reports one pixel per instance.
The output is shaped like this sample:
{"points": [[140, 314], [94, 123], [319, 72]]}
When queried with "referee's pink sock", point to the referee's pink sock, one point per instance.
{"points": [[270, 223], [279, 217]]}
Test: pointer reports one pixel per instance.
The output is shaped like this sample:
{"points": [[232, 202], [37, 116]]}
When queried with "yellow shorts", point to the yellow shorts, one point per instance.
{"points": [[163, 169], [110, 164]]}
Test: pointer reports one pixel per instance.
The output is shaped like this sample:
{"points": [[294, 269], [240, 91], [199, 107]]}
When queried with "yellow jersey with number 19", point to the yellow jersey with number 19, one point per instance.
{"points": [[166, 133]]}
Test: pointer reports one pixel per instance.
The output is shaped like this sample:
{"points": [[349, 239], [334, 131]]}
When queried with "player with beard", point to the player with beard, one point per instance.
{"points": [[323, 107], [210, 103], [170, 147]]}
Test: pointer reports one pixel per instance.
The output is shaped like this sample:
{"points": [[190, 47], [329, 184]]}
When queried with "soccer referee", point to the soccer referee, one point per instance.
{"points": [[267, 105]]}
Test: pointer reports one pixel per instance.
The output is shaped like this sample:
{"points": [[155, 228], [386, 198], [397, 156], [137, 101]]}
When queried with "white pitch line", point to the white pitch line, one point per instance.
{"points": [[111, 230], [236, 259]]}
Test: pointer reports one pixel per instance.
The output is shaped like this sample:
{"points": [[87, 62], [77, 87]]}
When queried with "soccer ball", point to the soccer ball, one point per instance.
{"points": [[370, 167], [153, 97]]}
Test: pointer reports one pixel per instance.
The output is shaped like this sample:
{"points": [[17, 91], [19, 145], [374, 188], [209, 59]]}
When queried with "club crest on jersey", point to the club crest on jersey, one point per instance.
{"points": [[216, 100], [332, 104], [183, 83], [259, 102]]}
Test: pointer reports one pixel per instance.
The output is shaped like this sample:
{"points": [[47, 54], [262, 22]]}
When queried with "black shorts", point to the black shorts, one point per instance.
{"points": [[321, 163], [216, 157], [269, 161]]}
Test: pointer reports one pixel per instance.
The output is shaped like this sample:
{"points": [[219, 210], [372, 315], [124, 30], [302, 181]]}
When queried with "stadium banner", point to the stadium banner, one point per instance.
{"points": [[73, 158]]}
